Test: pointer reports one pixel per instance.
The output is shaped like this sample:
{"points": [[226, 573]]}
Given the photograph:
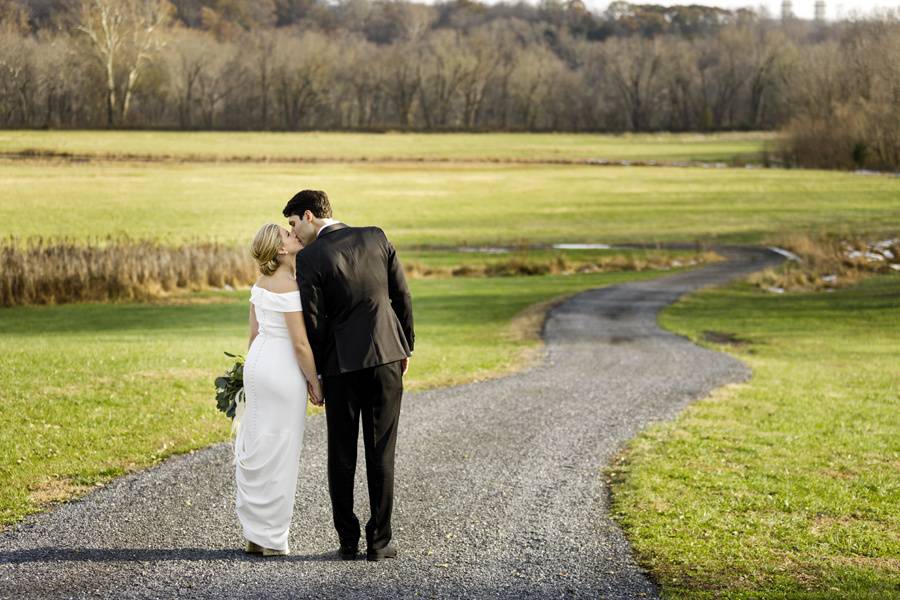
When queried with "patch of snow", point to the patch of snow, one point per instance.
{"points": [[581, 246], [785, 253]]}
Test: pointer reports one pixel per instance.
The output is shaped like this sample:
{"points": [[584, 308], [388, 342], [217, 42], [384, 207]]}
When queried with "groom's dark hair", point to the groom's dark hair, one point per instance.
{"points": [[315, 201]]}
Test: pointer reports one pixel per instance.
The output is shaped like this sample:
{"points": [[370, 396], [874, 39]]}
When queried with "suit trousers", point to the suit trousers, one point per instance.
{"points": [[374, 394]]}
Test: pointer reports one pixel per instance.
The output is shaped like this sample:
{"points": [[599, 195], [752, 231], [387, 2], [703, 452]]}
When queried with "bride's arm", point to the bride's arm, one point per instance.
{"points": [[297, 330], [254, 327]]}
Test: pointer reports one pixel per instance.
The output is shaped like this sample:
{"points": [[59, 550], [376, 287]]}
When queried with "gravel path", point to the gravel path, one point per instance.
{"points": [[499, 493]]}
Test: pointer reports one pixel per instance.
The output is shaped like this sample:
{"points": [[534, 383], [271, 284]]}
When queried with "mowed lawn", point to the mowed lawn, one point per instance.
{"points": [[787, 486], [89, 391], [723, 147], [442, 204]]}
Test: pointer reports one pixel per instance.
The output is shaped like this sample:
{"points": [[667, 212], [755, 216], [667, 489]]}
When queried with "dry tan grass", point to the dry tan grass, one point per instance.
{"points": [[50, 271], [827, 262], [40, 271], [516, 265], [53, 490]]}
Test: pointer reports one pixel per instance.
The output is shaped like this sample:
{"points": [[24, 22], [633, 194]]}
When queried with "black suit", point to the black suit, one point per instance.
{"points": [[358, 315]]}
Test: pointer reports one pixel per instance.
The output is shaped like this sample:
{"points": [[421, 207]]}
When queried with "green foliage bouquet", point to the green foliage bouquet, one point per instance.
{"points": [[230, 387]]}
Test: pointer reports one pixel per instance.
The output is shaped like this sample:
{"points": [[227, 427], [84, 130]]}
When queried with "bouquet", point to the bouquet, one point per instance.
{"points": [[230, 389]]}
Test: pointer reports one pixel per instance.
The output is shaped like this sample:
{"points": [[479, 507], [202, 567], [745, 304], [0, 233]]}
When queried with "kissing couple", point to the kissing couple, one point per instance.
{"points": [[330, 320]]}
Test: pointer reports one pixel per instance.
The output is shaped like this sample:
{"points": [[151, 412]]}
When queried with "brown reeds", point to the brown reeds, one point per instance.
{"points": [[41, 271], [54, 271], [828, 262], [560, 265]]}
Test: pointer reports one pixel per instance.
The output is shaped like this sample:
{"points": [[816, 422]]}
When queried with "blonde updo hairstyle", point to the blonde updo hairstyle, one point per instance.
{"points": [[265, 247]]}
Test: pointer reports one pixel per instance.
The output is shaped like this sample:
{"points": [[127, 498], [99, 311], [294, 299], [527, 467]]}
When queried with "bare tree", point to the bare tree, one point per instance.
{"points": [[633, 68], [123, 36], [263, 48], [770, 50], [362, 80], [481, 58], [221, 77], [531, 83], [186, 56], [18, 80], [303, 68], [684, 106], [70, 91], [724, 71], [402, 65], [441, 76], [881, 106]]}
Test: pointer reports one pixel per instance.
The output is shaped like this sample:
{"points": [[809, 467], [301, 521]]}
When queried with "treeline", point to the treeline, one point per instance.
{"points": [[374, 65], [846, 101]]}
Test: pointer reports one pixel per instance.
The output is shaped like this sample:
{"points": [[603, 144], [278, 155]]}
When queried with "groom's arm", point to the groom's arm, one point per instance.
{"points": [[398, 291], [313, 309]]}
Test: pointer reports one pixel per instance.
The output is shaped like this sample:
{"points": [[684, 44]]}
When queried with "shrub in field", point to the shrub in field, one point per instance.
{"points": [[39, 271], [845, 99], [825, 262]]}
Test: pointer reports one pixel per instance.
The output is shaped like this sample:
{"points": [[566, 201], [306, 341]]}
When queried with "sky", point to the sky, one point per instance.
{"points": [[802, 8]]}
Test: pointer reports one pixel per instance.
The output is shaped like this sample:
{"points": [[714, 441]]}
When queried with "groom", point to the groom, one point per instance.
{"points": [[358, 315]]}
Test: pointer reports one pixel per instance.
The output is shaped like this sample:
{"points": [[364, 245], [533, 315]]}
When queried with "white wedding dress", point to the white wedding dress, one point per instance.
{"points": [[270, 434]]}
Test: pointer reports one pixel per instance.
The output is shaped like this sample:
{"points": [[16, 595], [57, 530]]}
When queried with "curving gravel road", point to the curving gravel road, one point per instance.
{"points": [[499, 493]]}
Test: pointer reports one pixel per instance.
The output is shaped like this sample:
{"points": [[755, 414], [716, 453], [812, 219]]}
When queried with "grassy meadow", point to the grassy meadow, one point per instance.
{"points": [[442, 204], [90, 391], [725, 147], [781, 487], [787, 486]]}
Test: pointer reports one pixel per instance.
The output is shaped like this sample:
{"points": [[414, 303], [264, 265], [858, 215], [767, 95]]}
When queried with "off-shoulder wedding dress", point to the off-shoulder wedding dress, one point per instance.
{"points": [[270, 434]]}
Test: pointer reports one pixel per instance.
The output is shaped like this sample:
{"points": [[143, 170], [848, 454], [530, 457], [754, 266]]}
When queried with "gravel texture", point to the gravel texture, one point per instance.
{"points": [[499, 489]]}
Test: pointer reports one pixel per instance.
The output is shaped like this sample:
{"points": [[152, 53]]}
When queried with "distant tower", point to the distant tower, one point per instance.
{"points": [[787, 10], [820, 11]]}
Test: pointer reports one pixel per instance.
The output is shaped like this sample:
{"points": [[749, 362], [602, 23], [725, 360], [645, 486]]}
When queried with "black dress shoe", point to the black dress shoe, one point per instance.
{"points": [[349, 552], [389, 551]]}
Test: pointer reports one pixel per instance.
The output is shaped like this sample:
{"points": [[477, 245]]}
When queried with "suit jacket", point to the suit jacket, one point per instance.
{"points": [[356, 304]]}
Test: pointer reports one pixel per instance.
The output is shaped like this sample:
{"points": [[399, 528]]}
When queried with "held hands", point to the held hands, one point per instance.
{"points": [[314, 388]]}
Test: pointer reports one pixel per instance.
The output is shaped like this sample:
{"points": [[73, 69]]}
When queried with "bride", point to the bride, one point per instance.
{"points": [[279, 372]]}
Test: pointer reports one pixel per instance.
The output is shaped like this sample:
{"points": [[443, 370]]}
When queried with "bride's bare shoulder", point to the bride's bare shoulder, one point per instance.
{"points": [[277, 285]]}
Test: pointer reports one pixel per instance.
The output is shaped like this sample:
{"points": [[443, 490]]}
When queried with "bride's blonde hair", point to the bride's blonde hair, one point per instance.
{"points": [[264, 249]]}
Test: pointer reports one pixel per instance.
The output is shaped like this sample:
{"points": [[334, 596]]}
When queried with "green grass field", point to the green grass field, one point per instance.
{"points": [[787, 486], [783, 487], [89, 391], [362, 146], [442, 204]]}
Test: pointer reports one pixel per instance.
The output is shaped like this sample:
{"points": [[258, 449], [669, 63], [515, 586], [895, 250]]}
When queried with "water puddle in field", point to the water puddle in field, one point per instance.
{"points": [[484, 250]]}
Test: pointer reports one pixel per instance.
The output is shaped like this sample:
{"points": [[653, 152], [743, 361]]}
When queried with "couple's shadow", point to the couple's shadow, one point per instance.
{"points": [[51, 554]]}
